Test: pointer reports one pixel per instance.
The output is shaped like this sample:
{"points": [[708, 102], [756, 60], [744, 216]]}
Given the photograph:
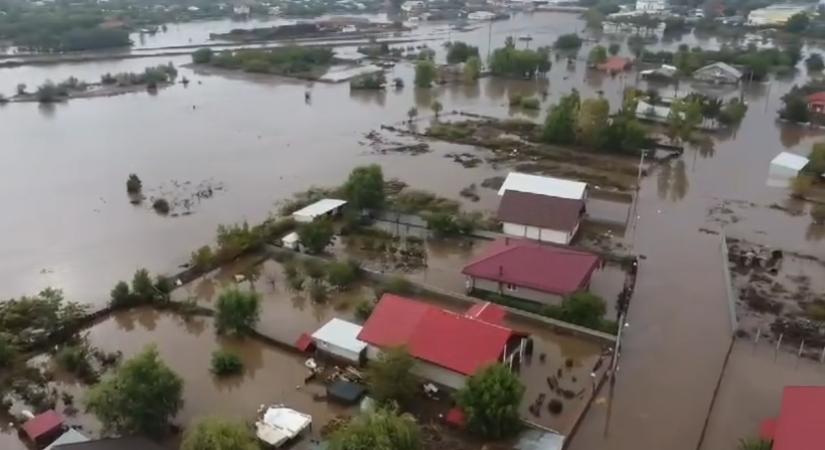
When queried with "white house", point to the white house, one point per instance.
{"points": [[326, 207], [339, 338], [545, 209], [651, 5], [784, 169]]}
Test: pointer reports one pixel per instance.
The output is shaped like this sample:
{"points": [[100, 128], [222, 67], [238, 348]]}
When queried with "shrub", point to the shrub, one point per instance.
{"points": [[7, 352], [133, 184], [203, 258], [75, 359], [142, 287], [818, 213], [121, 295], [342, 274], [318, 292], [530, 103], [202, 55], [225, 363], [363, 310], [316, 236], [161, 206], [237, 312], [313, 268], [424, 74], [396, 285]]}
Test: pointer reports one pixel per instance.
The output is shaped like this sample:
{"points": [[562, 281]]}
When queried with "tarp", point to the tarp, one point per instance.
{"points": [[345, 392]]}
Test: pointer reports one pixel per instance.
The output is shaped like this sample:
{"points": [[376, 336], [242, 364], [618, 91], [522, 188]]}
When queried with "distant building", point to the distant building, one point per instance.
{"points": [[327, 207], [775, 15], [799, 423], [615, 64], [546, 209], [530, 271], [784, 168], [816, 102], [651, 5], [241, 10], [718, 73], [412, 6], [448, 347]]}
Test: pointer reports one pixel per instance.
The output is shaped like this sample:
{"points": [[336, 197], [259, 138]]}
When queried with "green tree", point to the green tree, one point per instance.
{"points": [[511, 62], [390, 378], [472, 69], [491, 400], [797, 23], [583, 308], [560, 126], [437, 107], [412, 113], [754, 444], [424, 73], [203, 258], [342, 274], [218, 434], [121, 295], [142, 287], [141, 397], [816, 160], [364, 188], [202, 55], [814, 63], [237, 312], [315, 236], [378, 430], [593, 18], [225, 363], [636, 44], [614, 48], [597, 55], [592, 120], [795, 109], [8, 352], [133, 184], [570, 41], [459, 52]]}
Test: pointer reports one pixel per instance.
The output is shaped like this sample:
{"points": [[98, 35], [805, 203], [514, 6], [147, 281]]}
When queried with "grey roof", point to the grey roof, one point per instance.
{"points": [[125, 443], [727, 68]]}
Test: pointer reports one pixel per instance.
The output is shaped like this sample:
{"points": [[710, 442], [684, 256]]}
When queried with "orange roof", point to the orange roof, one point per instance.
{"points": [[615, 64], [817, 97]]}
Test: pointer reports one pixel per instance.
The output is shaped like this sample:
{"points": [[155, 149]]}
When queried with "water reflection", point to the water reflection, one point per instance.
{"points": [[378, 97], [47, 110], [423, 98], [672, 181], [815, 232]]}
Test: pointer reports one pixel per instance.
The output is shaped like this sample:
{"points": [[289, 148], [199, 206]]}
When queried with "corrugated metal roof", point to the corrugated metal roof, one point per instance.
{"points": [[790, 161], [554, 187], [71, 436], [318, 208], [341, 334], [799, 425]]}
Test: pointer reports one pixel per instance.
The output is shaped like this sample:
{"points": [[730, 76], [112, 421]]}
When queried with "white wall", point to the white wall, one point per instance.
{"points": [[538, 234], [520, 291], [337, 351]]}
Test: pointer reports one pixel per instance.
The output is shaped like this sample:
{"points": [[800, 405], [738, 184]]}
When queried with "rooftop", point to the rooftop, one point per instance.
{"points": [[615, 64], [535, 184], [43, 424], [318, 208], [541, 211], [799, 425], [725, 67], [342, 334], [124, 443], [546, 268], [790, 160], [457, 342]]}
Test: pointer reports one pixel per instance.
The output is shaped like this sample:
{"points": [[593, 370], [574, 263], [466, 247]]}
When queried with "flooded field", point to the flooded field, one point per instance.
{"points": [[75, 229]]}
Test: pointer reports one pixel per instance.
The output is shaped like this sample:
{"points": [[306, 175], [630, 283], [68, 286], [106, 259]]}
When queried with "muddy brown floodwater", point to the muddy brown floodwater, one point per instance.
{"points": [[71, 225]]}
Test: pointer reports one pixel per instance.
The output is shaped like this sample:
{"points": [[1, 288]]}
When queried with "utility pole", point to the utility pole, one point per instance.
{"points": [[489, 41]]}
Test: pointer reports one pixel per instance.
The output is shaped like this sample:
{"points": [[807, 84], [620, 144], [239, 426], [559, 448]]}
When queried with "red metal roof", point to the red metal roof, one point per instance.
{"points": [[817, 97], [615, 64], [453, 341], [43, 424], [487, 312], [801, 418], [304, 342], [547, 268]]}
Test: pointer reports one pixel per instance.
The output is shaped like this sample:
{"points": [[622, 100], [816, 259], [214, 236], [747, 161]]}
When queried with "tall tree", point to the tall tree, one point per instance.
{"points": [[237, 312], [560, 126], [424, 74], [364, 188], [490, 401], [390, 378], [378, 430], [315, 236], [597, 55], [218, 434], [592, 121], [141, 397]]}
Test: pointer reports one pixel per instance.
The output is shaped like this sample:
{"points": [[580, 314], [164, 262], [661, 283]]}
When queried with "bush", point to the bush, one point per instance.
{"points": [[237, 312], [202, 55], [390, 378], [363, 310], [7, 352], [424, 74], [75, 359], [314, 268], [570, 41], [161, 206], [530, 103], [219, 434], [203, 258], [121, 295], [226, 363], [459, 52], [318, 292], [133, 184], [395, 285], [342, 274], [143, 288], [315, 236], [818, 213]]}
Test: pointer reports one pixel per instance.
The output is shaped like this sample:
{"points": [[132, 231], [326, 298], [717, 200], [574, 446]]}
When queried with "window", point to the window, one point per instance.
{"points": [[511, 287]]}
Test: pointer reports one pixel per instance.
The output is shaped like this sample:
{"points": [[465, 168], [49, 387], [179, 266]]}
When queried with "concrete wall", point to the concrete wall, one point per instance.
{"points": [[427, 371], [338, 352], [538, 234], [520, 292]]}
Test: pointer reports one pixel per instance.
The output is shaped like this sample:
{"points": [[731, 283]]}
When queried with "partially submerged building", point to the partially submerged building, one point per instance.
{"points": [[529, 271], [718, 73], [816, 102], [339, 339], [542, 208], [651, 6], [784, 169], [775, 15], [327, 207], [799, 425], [44, 427], [279, 425], [448, 347], [615, 64]]}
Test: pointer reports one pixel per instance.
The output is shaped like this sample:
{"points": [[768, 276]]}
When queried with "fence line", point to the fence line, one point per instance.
{"points": [[731, 296]]}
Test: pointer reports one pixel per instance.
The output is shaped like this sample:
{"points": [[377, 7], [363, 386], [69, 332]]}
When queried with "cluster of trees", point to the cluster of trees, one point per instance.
{"points": [[588, 122], [373, 81], [795, 103], [757, 62], [425, 73], [60, 31], [568, 42], [152, 77], [143, 290], [509, 61], [339, 275], [292, 60], [237, 312], [459, 52]]}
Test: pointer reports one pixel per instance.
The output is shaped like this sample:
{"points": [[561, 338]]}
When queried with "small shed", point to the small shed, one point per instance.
{"points": [[784, 169], [326, 207], [291, 241], [346, 392], [718, 73], [615, 64], [339, 338], [44, 427]]}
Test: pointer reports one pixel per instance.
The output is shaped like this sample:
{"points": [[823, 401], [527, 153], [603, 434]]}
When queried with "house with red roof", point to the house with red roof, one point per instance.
{"points": [[799, 425], [816, 102], [44, 427], [531, 271], [615, 64], [448, 347]]}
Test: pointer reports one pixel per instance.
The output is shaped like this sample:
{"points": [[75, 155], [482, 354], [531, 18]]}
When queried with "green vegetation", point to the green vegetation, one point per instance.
{"points": [[472, 69], [814, 63], [151, 77], [459, 52], [225, 363], [305, 62], [202, 259], [412, 113], [570, 41], [378, 430], [143, 291], [315, 236], [27, 321], [364, 189], [490, 401], [74, 359], [202, 55], [754, 444], [436, 106], [390, 378], [597, 55], [342, 274], [818, 213], [797, 23], [795, 103], [396, 285], [414, 201], [756, 62], [614, 48], [363, 311], [161, 206], [816, 160], [425, 73], [218, 434], [237, 312], [449, 225], [133, 184], [141, 397], [509, 61], [530, 103], [373, 81], [8, 352], [59, 30]]}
